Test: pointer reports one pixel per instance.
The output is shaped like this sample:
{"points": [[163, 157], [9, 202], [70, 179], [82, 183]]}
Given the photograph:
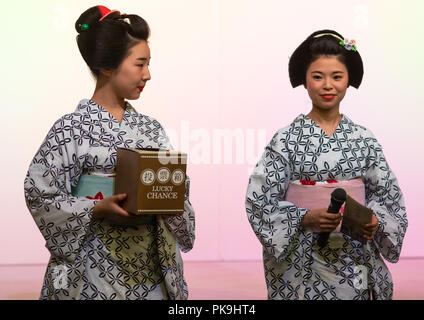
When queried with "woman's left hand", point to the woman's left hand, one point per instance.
{"points": [[370, 229]]}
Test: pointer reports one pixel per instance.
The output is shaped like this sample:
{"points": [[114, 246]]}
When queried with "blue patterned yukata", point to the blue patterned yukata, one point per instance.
{"points": [[93, 259], [295, 266]]}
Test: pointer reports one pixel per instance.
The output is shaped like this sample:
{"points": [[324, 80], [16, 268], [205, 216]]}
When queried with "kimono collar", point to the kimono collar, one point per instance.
{"points": [[97, 112], [305, 118], [345, 127]]}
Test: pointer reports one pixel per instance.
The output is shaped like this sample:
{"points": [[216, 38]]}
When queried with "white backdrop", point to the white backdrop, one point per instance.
{"points": [[219, 71]]}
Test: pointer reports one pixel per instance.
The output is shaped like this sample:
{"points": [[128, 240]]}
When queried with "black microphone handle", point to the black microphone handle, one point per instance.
{"points": [[338, 197]]}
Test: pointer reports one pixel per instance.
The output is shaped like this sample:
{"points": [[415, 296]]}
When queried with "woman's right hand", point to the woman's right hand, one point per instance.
{"points": [[110, 210], [321, 221]]}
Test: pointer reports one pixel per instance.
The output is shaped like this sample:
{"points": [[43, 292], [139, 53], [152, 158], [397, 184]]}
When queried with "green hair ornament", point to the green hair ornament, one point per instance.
{"points": [[84, 27]]}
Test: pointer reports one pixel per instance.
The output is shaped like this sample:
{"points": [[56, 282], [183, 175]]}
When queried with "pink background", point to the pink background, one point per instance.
{"points": [[216, 65]]}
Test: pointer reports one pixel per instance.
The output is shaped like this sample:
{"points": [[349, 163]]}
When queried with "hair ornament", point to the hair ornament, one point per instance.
{"points": [[349, 45], [105, 12], [84, 27]]}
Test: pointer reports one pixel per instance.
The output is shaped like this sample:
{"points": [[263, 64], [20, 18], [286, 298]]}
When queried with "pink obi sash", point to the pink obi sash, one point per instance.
{"points": [[316, 194]]}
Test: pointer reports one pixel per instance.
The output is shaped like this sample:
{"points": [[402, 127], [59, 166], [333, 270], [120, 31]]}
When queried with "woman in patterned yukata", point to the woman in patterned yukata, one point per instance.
{"points": [[98, 250], [314, 151]]}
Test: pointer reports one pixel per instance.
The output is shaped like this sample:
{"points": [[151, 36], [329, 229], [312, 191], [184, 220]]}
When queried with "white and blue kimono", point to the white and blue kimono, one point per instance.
{"points": [[92, 259], [295, 267]]}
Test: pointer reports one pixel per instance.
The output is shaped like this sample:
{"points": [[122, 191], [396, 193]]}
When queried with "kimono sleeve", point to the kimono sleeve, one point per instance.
{"points": [[181, 226], [62, 218], [385, 198], [276, 222]]}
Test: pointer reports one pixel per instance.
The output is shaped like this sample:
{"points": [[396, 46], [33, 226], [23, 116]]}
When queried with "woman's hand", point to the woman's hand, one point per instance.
{"points": [[370, 229], [320, 220], [110, 210]]}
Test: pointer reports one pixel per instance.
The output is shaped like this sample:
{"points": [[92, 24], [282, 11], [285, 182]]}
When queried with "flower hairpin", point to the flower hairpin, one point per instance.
{"points": [[349, 45]]}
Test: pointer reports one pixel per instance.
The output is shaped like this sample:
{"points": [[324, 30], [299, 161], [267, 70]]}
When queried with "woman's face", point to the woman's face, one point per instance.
{"points": [[129, 79], [326, 81]]}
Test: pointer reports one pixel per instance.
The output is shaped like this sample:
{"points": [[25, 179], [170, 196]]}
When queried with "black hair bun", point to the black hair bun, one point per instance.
{"points": [[327, 43], [88, 19], [91, 17], [104, 44], [135, 25]]}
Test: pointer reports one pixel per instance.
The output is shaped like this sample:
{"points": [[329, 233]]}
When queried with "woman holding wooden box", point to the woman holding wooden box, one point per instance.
{"points": [[98, 250]]}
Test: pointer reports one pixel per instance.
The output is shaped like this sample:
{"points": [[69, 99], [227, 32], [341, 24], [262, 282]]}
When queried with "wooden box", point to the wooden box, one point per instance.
{"points": [[153, 179]]}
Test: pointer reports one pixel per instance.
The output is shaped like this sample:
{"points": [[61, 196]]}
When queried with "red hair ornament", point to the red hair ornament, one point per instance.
{"points": [[105, 12]]}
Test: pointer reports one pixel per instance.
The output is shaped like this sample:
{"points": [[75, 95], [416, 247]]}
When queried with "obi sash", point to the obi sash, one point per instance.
{"points": [[316, 194], [149, 237], [99, 186]]}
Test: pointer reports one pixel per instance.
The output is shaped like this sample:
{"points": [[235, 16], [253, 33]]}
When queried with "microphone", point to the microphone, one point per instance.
{"points": [[338, 197]]}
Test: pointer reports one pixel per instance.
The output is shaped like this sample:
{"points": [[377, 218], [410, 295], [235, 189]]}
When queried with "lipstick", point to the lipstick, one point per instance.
{"points": [[140, 88], [329, 97]]}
